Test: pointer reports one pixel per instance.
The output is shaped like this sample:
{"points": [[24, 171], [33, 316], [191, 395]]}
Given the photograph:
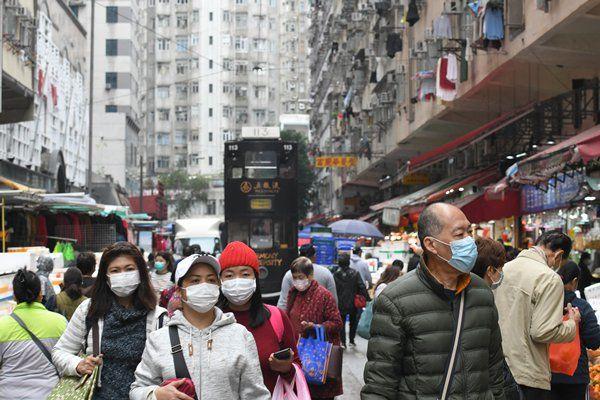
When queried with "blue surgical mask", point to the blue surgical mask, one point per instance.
{"points": [[464, 254], [159, 265], [497, 284]]}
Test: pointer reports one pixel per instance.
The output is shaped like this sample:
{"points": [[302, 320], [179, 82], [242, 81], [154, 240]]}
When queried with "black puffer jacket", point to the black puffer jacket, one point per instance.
{"points": [[411, 340], [348, 284]]}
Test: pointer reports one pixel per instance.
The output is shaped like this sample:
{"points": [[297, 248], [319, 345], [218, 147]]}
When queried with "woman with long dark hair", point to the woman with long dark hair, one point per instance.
{"points": [[71, 296], [25, 370], [162, 274], [390, 274], [123, 305], [271, 327]]}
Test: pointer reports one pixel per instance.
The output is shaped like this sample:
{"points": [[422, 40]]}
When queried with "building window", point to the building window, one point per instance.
{"points": [[210, 112], [163, 21], [227, 111], [210, 136], [162, 44], [210, 88], [210, 40], [162, 162], [162, 92], [180, 137], [194, 39], [227, 64], [181, 91], [181, 113], [241, 43], [111, 108], [195, 63], [210, 16], [182, 20], [196, 15], [182, 43], [163, 67], [211, 205], [182, 67], [210, 160], [111, 80], [210, 64], [112, 14], [163, 114], [226, 16], [111, 47], [163, 138], [182, 2], [195, 87]]}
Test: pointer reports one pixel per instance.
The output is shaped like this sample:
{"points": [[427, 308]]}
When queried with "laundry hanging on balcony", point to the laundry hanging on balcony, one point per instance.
{"points": [[412, 15], [446, 76], [493, 23], [427, 82], [393, 44], [442, 27]]}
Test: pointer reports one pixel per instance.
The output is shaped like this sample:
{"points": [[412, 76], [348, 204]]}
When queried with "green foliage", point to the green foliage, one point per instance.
{"points": [[306, 175], [183, 190]]}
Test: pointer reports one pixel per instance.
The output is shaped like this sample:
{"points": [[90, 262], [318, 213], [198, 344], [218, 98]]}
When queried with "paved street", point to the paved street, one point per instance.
{"points": [[354, 364]]}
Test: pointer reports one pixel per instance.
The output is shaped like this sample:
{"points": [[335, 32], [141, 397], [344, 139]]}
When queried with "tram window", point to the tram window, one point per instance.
{"points": [[261, 234], [238, 231], [282, 236], [236, 173], [261, 164]]}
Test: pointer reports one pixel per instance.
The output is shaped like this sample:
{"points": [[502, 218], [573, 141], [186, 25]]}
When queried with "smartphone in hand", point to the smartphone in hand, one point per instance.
{"points": [[284, 354]]}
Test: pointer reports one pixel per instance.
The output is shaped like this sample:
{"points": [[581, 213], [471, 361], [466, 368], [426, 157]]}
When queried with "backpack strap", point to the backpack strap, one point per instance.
{"points": [[181, 369], [276, 321], [36, 340]]}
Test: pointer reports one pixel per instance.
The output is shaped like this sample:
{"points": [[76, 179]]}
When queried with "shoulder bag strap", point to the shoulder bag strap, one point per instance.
{"points": [[276, 322], [449, 374], [35, 339], [161, 319], [181, 369], [95, 339]]}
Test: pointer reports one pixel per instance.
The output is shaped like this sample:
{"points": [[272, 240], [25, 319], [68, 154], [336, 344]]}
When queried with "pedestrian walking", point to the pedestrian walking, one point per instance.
{"points": [[491, 256], [586, 278], [26, 370], [415, 253], [360, 265], [349, 285], [123, 305], [435, 331], [270, 326], [162, 274], [322, 275], [202, 352], [389, 275], [530, 305], [45, 266], [310, 304], [71, 295], [86, 263], [576, 387]]}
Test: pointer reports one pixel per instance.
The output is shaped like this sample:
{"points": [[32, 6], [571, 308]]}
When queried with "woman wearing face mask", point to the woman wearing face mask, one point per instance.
{"points": [[161, 275], [271, 327], [310, 304], [123, 305], [217, 356]]}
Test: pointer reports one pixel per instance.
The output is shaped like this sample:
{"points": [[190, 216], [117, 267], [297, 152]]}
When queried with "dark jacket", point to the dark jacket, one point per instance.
{"points": [[586, 279], [589, 337], [348, 284], [411, 341]]}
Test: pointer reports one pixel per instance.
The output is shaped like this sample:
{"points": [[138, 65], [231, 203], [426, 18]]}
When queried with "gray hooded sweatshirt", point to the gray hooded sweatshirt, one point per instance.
{"points": [[227, 370]]}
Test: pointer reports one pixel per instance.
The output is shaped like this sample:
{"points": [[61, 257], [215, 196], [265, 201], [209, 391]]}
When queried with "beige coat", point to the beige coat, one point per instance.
{"points": [[530, 308]]}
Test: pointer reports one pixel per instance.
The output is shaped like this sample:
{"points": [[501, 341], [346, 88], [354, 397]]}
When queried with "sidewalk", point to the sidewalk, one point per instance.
{"points": [[355, 359]]}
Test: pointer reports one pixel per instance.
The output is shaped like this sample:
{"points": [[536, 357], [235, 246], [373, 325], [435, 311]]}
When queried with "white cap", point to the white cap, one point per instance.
{"points": [[184, 265]]}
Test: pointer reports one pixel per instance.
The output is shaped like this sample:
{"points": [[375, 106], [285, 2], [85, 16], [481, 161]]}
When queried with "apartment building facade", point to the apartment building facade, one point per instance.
{"points": [[219, 66], [49, 73], [419, 90]]}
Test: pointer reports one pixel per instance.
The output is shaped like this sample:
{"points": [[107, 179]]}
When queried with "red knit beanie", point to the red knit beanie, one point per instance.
{"points": [[238, 254]]}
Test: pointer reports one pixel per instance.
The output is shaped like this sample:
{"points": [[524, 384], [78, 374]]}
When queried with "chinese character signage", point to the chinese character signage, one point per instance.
{"points": [[260, 187], [415, 179], [336, 161], [558, 194]]}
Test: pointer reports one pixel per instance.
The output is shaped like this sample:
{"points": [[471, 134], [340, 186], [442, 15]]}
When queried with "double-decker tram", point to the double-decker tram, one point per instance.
{"points": [[261, 204]]}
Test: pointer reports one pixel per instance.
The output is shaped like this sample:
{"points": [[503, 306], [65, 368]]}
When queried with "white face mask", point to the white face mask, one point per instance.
{"points": [[238, 291], [301, 284], [202, 297], [124, 283]]}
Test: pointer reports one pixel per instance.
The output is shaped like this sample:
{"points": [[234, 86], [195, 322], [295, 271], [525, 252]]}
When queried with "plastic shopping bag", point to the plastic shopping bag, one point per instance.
{"points": [[295, 390], [314, 354], [565, 356], [364, 324]]}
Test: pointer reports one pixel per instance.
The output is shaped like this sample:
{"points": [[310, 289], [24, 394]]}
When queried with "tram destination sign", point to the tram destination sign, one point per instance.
{"points": [[260, 132]]}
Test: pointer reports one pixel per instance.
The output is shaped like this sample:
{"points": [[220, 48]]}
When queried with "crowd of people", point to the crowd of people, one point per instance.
{"points": [[466, 320]]}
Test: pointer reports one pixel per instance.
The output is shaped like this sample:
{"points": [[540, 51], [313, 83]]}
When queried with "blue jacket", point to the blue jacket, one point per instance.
{"points": [[589, 335]]}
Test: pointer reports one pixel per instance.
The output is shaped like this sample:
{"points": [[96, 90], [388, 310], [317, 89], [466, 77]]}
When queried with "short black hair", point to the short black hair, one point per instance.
{"points": [[556, 240], [429, 223], [568, 272], [398, 263], [86, 262], [344, 260], [26, 286], [585, 256], [357, 250], [307, 250], [302, 265]]}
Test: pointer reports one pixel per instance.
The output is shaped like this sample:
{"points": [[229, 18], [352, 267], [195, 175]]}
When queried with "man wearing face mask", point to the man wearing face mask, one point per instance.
{"points": [[530, 305], [202, 352], [435, 330]]}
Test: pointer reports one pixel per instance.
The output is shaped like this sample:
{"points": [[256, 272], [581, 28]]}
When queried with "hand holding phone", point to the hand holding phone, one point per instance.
{"points": [[284, 354]]}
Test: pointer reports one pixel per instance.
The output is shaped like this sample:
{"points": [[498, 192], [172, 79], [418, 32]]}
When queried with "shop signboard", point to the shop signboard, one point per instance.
{"points": [[325, 250], [415, 178], [336, 161], [391, 216], [559, 193], [344, 244]]}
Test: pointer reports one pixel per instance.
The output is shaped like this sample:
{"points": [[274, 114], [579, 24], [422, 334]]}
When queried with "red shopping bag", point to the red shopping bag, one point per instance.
{"points": [[565, 356]]}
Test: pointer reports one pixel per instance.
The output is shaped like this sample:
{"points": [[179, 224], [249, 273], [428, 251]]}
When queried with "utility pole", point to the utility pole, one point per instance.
{"points": [[91, 106], [141, 184]]}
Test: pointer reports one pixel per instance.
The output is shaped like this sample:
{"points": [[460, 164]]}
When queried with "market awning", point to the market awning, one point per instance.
{"points": [[417, 197], [479, 208], [442, 152], [542, 166], [12, 185], [480, 178]]}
